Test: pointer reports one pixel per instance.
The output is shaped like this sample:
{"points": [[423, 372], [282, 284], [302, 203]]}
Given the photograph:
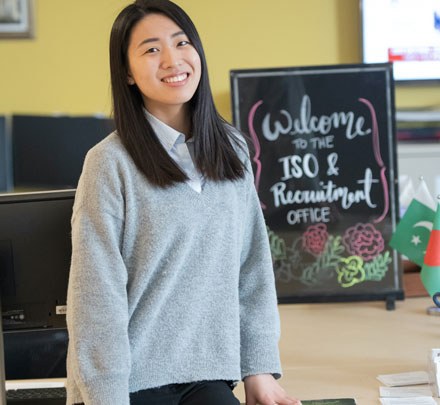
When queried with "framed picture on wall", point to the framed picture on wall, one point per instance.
{"points": [[16, 19]]}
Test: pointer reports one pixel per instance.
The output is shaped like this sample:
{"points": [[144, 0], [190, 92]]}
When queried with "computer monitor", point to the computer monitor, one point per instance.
{"points": [[48, 151], [35, 252]]}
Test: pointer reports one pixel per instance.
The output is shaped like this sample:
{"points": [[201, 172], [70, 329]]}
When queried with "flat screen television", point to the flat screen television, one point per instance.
{"points": [[48, 151], [35, 251], [404, 32]]}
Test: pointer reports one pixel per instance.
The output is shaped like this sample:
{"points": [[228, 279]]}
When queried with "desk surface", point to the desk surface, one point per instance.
{"points": [[336, 350]]}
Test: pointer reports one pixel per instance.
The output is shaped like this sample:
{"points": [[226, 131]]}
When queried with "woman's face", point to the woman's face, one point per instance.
{"points": [[162, 63]]}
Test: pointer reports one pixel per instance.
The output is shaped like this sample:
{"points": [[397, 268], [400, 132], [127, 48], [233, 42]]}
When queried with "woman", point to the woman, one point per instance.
{"points": [[171, 294]]}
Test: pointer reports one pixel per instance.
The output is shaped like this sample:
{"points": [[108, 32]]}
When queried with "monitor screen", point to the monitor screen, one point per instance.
{"points": [[48, 151], [35, 251], [404, 32]]}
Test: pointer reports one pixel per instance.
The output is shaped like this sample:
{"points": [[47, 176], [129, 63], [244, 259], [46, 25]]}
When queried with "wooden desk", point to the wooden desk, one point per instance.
{"points": [[337, 350]]}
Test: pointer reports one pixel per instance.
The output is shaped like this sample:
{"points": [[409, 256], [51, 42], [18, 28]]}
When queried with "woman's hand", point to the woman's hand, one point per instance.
{"points": [[263, 389]]}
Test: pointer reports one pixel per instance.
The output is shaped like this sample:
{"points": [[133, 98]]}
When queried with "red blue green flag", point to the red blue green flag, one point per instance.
{"points": [[430, 273]]}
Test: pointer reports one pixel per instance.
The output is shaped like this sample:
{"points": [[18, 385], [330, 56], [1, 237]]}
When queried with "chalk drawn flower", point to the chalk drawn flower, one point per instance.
{"points": [[283, 271], [363, 240], [315, 238], [351, 271], [277, 245]]}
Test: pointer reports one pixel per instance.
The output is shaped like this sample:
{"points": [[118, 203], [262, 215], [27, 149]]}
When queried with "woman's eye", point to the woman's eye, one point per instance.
{"points": [[152, 50], [183, 43]]}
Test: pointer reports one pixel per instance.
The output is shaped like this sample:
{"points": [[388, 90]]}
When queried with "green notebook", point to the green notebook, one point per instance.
{"points": [[336, 401]]}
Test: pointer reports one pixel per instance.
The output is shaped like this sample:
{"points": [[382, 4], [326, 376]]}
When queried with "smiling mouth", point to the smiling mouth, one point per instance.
{"points": [[176, 79]]}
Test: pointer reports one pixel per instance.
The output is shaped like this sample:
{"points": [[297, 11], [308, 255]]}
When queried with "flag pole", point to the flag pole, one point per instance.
{"points": [[434, 309]]}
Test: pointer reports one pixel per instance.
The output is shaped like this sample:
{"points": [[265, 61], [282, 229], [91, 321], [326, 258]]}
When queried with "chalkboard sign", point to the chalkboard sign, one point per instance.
{"points": [[323, 148]]}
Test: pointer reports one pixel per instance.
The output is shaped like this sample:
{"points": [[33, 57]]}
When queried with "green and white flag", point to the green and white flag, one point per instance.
{"points": [[412, 233]]}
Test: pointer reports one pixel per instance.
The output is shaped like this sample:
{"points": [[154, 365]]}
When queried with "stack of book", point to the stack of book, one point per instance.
{"points": [[410, 388]]}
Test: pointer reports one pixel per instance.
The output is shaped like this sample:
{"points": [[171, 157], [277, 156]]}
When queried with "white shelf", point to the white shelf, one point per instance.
{"points": [[418, 115], [419, 159]]}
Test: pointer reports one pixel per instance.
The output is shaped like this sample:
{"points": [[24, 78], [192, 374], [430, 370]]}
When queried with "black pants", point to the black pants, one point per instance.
{"points": [[200, 393]]}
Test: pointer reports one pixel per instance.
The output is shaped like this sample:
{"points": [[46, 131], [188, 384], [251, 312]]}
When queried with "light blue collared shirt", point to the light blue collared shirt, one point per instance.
{"points": [[180, 151]]}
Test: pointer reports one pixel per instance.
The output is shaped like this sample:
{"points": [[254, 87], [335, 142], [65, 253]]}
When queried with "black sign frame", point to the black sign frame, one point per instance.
{"points": [[323, 147]]}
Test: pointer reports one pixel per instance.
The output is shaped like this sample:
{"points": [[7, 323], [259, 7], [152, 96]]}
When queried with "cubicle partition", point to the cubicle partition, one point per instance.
{"points": [[48, 151], [5, 157]]}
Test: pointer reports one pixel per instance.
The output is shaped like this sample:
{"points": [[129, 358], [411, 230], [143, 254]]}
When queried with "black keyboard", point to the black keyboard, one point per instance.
{"points": [[18, 325], [36, 393]]}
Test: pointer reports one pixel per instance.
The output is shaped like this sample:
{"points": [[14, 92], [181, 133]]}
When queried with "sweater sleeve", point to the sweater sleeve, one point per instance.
{"points": [[259, 318], [97, 315]]}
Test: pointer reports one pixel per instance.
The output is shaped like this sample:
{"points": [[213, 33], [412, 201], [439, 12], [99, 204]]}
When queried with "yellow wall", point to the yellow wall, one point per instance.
{"points": [[65, 68]]}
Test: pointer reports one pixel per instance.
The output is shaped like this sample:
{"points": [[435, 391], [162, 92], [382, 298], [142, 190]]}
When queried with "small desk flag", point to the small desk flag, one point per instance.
{"points": [[430, 273], [413, 231]]}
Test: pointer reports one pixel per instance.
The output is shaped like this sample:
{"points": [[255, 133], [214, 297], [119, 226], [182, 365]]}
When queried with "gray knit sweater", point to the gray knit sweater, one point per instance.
{"points": [[166, 285]]}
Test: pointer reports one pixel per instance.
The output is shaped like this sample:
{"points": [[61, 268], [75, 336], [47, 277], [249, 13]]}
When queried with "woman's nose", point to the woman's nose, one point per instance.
{"points": [[170, 58]]}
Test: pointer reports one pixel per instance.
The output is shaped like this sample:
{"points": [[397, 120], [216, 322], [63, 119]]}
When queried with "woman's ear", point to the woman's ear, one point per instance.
{"points": [[130, 80]]}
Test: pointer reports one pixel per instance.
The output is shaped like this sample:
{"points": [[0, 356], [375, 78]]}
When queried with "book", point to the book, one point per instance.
{"points": [[404, 379]]}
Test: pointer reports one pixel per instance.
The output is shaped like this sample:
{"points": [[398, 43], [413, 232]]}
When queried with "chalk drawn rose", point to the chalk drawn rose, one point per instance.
{"points": [[351, 271], [363, 240], [315, 238]]}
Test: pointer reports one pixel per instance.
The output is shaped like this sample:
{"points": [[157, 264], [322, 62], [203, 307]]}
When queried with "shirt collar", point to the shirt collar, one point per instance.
{"points": [[167, 136]]}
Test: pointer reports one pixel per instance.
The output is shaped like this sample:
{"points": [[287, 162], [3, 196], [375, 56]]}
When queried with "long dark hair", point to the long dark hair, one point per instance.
{"points": [[215, 155]]}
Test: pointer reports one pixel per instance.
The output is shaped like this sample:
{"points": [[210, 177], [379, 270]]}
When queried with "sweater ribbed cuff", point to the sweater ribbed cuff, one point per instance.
{"points": [[105, 391], [260, 356]]}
